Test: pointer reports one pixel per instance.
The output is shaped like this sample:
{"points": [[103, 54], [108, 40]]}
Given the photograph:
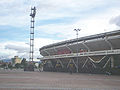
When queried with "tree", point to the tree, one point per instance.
{"points": [[4, 65], [24, 62], [10, 66], [18, 65]]}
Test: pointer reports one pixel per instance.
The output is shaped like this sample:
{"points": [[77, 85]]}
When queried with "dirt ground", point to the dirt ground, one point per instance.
{"points": [[20, 80]]}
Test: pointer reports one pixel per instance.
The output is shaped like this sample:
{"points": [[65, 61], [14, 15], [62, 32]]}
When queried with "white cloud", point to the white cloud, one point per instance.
{"points": [[60, 30], [115, 20], [11, 49], [99, 23], [94, 24], [6, 53], [16, 13], [21, 49], [6, 1], [17, 46]]}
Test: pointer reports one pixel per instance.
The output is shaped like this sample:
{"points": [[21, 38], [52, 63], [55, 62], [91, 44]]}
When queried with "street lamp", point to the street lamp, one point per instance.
{"points": [[77, 30]]}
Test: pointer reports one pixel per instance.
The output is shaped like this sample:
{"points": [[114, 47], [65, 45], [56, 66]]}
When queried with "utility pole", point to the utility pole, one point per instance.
{"points": [[32, 14], [77, 30]]}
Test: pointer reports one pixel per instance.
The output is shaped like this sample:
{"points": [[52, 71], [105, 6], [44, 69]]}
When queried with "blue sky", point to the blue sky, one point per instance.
{"points": [[55, 21]]}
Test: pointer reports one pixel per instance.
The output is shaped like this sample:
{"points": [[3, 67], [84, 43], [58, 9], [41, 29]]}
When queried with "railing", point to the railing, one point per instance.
{"points": [[82, 54]]}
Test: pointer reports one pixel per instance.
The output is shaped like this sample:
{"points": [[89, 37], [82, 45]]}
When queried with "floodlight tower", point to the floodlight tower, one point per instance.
{"points": [[32, 14], [77, 30]]}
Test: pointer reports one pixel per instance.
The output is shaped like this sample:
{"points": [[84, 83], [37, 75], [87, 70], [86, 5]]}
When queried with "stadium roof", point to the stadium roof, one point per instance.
{"points": [[102, 35]]}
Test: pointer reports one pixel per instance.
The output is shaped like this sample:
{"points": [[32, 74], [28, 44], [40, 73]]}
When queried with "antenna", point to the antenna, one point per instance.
{"points": [[32, 14]]}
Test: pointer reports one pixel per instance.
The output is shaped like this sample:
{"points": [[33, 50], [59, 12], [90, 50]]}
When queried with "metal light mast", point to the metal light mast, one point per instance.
{"points": [[32, 14], [77, 30]]}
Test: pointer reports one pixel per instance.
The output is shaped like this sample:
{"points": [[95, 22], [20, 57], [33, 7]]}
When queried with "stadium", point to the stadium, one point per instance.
{"points": [[98, 53]]}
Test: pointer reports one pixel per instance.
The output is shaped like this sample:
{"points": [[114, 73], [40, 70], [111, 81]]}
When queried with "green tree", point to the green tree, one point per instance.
{"points": [[10, 66], [4, 65], [18, 65], [24, 62]]}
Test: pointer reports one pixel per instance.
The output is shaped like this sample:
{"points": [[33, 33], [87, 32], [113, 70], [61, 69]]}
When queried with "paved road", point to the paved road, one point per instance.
{"points": [[20, 80]]}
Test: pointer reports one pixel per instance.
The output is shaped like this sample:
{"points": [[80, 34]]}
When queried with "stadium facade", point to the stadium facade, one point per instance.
{"points": [[98, 53]]}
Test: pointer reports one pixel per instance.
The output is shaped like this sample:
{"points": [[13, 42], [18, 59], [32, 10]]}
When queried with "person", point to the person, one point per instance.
{"points": [[108, 73], [58, 66], [41, 67], [71, 68]]}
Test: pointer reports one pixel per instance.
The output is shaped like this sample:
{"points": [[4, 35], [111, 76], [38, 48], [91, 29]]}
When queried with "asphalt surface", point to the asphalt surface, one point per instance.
{"points": [[20, 80]]}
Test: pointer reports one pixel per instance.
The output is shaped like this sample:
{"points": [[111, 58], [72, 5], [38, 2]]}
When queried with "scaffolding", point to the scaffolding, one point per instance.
{"points": [[32, 14]]}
